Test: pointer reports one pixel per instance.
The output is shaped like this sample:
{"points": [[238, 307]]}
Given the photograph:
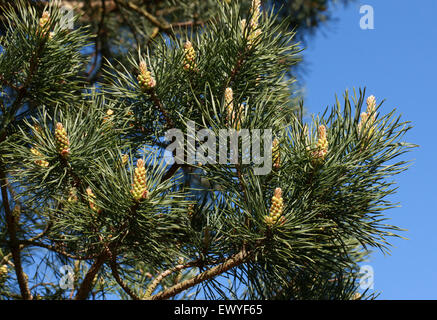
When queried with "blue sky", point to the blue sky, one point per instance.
{"points": [[396, 61]]}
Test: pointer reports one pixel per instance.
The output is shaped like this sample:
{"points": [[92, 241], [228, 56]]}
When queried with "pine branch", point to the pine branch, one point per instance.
{"points": [[88, 282], [171, 171], [161, 108], [44, 284], [8, 84], [168, 272], [154, 20], [236, 260], [42, 233], [123, 285], [22, 90], [11, 223], [33, 243]]}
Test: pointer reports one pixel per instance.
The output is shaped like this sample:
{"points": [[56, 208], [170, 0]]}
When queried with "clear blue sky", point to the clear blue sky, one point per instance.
{"points": [[396, 61]]}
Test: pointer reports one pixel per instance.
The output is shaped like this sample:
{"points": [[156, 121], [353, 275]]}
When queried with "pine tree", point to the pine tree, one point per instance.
{"points": [[118, 26], [85, 181]]}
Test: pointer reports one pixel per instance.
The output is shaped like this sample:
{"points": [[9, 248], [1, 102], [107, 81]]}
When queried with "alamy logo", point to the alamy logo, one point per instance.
{"points": [[67, 280], [67, 18], [367, 280], [201, 147], [367, 21]]}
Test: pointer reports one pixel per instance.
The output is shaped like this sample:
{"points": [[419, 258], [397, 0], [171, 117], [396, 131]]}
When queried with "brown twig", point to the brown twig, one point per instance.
{"points": [[29, 243], [22, 91], [130, 25], [88, 282], [161, 108], [45, 284], [11, 223], [8, 84], [154, 20], [171, 171], [107, 253], [234, 261], [113, 265], [168, 272]]}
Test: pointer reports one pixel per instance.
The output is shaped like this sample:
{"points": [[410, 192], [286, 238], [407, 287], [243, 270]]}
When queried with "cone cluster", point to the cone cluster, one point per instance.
{"points": [[276, 156], [139, 186], [367, 119], [190, 210], [276, 209], [189, 57], [44, 20], [254, 30], [371, 103], [44, 24], [124, 159], [145, 78], [255, 11], [3, 272], [92, 200], [39, 162], [62, 141], [229, 97], [109, 114], [234, 117], [37, 128], [240, 117], [72, 195], [322, 144]]}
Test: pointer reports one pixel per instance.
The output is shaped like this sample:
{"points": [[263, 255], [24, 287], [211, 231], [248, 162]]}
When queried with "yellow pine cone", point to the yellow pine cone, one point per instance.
{"points": [[243, 25], [189, 57], [276, 209], [253, 36], [371, 108], [108, 116], [371, 104], [44, 24], [72, 195], [240, 117], [229, 96], [255, 10], [254, 30], [190, 210], [363, 120], [139, 186], [356, 296], [124, 159], [91, 200], [45, 18], [37, 128], [3, 271], [233, 117], [276, 156], [41, 162], [145, 79], [62, 141], [322, 144], [367, 119], [250, 32]]}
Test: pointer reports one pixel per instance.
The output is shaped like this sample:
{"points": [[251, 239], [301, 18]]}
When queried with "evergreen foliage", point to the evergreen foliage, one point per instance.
{"points": [[84, 181]]}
